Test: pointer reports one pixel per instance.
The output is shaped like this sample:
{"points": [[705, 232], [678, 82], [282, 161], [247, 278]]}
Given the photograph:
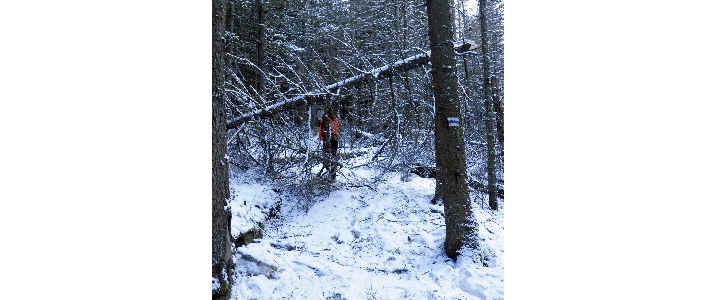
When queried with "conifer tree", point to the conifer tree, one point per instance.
{"points": [[221, 244], [451, 178]]}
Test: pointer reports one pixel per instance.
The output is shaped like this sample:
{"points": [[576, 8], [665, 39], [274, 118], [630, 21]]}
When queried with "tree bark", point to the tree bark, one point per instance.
{"points": [[221, 244], [451, 178], [488, 107], [499, 110]]}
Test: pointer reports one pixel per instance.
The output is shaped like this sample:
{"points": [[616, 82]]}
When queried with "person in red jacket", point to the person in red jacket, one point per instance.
{"points": [[329, 135]]}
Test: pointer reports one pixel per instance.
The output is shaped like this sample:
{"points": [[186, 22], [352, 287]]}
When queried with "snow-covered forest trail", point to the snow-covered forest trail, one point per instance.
{"points": [[360, 243]]}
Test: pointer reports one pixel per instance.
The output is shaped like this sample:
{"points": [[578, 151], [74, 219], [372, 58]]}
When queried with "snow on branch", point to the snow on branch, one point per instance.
{"points": [[354, 81]]}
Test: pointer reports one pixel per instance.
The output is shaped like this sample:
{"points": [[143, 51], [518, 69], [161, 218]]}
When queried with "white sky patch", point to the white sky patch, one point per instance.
{"points": [[472, 7]]}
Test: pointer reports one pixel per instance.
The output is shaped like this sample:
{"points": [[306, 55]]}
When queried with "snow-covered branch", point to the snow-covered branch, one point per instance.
{"points": [[354, 81]]}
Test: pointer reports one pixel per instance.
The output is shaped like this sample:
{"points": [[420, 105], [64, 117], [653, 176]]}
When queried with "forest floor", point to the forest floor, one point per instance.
{"points": [[360, 242]]}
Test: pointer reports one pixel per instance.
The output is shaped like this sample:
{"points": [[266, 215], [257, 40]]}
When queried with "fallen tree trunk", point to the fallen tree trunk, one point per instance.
{"points": [[354, 81]]}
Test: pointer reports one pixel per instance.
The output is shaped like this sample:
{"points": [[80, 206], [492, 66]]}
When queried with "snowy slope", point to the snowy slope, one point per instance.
{"points": [[357, 243]]}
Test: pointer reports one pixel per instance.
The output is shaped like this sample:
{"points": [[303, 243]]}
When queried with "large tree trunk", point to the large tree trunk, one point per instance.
{"points": [[488, 107], [221, 245], [261, 46], [451, 185]]}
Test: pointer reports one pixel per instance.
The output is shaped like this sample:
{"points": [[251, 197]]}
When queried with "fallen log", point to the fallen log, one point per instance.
{"points": [[354, 81]]}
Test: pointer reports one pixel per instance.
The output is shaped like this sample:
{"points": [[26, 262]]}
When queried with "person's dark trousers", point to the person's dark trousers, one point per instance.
{"points": [[325, 153]]}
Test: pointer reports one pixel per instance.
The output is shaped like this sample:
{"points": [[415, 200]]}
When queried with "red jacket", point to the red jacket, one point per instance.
{"points": [[332, 128]]}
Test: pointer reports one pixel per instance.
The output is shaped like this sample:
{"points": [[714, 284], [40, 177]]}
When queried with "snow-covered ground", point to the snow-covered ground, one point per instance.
{"points": [[360, 243]]}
